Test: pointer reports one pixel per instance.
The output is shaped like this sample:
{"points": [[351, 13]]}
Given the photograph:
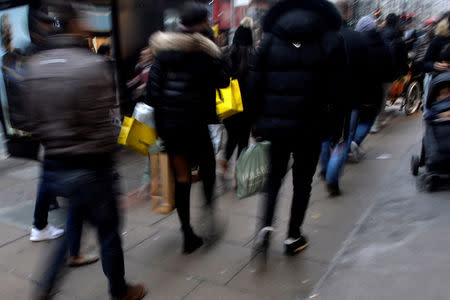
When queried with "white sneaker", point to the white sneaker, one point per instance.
{"points": [[375, 128], [48, 233], [354, 148]]}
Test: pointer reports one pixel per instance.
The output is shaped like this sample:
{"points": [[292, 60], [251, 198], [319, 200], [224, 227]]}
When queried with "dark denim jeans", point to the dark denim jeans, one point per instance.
{"points": [[92, 197], [43, 201]]}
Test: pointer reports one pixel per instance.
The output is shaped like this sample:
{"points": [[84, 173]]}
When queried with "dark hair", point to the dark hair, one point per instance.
{"points": [[193, 13], [63, 12], [392, 20], [239, 59]]}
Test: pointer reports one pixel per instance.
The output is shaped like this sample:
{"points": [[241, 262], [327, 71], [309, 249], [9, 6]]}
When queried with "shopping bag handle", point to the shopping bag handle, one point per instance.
{"points": [[220, 96], [220, 93]]}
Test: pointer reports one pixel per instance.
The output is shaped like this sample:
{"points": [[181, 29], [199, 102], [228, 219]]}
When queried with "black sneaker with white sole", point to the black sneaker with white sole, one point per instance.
{"points": [[294, 246]]}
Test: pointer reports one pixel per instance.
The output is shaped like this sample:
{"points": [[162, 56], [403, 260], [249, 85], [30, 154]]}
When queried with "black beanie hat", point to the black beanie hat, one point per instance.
{"points": [[193, 13], [243, 35]]}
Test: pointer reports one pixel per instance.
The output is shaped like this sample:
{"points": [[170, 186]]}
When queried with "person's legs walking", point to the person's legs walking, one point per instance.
{"points": [[305, 162], [42, 205], [325, 157], [365, 124], [381, 118], [99, 200], [279, 157], [339, 156], [41, 230], [182, 172], [74, 226], [233, 138], [207, 165], [244, 136]]}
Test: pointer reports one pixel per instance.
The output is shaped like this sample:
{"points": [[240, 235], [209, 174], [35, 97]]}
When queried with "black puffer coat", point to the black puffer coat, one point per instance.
{"points": [[357, 53], [394, 40], [297, 77], [380, 70], [438, 44], [182, 85]]}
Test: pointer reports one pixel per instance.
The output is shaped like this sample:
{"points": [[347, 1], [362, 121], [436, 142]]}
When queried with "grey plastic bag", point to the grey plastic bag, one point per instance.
{"points": [[252, 169], [144, 114]]}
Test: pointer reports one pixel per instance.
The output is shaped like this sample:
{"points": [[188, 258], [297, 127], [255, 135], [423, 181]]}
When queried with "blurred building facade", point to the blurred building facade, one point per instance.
{"points": [[419, 9]]}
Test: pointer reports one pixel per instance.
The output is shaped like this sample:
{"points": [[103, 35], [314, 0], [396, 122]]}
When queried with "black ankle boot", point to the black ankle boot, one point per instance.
{"points": [[191, 242]]}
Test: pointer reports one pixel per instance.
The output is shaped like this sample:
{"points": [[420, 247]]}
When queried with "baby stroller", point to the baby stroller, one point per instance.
{"points": [[435, 154]]}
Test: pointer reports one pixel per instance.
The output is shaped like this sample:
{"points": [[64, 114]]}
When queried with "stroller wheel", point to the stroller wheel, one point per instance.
{"points": [[415, 162], [413, 98]]}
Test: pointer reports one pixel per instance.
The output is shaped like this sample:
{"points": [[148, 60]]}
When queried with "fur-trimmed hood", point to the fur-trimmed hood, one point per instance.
{"points": [[443, 28], [302, 18], [183, 42]]}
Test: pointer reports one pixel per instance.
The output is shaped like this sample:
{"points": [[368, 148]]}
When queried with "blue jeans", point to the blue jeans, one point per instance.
{"points": [[92, 197], [332, 161], [362, 130]]}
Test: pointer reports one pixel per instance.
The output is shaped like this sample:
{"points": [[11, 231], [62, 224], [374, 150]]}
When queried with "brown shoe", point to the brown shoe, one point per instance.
{"points": [[134, 292], [82, 260]]}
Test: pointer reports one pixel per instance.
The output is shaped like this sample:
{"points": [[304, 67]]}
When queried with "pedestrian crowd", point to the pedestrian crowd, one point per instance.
{"points": [[314, 87]]}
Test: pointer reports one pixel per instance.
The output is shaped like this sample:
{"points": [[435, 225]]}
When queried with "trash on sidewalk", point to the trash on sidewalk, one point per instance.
{"points": [[384, 156]]}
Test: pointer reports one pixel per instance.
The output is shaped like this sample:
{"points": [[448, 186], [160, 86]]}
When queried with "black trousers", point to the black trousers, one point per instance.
{"points": [[238, 131], [306, 153]]}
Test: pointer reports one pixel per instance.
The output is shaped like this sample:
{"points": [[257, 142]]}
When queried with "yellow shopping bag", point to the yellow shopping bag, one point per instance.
{"points": [[229, 100], [136, 136]]}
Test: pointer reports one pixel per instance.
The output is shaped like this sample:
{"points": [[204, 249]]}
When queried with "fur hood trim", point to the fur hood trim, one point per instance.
{"points": [[183, 42], [443, 29]]}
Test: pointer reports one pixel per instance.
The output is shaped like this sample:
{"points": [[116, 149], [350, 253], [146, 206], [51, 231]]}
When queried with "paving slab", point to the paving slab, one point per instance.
{"points": [[284, 277], [9, 234], [13, 287], [24, 258], [207, 291], [217, 264]]}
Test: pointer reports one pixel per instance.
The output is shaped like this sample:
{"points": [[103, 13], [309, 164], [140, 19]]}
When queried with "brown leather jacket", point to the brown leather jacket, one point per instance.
{"points": [[69, 92]]}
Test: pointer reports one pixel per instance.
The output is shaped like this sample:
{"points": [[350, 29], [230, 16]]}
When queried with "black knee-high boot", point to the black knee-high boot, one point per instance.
{"points": [[182, 202]]}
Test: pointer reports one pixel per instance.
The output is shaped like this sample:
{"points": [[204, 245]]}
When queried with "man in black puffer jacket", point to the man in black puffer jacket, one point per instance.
{"points": [[297, 79], [182, 89]]}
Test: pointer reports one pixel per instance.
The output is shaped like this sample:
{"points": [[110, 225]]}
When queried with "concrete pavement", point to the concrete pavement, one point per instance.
{"points": [[364, 243]]}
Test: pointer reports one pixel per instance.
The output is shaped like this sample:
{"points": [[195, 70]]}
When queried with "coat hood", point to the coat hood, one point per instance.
{"points": [[183, 42], [435, 85], [443, 28], [299, 19]]}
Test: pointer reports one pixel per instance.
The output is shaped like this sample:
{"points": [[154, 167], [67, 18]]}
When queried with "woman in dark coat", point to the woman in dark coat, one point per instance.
{"points": [[182, 88], [239, 56], [434, 61]]}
